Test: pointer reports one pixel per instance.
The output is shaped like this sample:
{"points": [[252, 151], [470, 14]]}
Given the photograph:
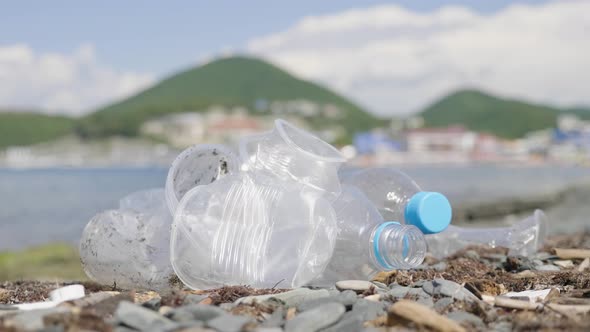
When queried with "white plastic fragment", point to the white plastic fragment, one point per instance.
{"points": [[63, 294], [533, 295]]}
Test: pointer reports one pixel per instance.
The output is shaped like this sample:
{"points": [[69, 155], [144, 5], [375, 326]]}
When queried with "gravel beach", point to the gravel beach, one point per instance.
{"points": [[476, 289]]}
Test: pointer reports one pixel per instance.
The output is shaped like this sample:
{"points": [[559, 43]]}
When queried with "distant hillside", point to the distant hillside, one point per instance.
{"points": [[482, 112], [235, 81], [22, 128]]}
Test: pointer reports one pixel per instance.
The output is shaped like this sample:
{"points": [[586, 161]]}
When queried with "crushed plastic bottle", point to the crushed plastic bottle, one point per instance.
{"points": [[267, 224], [366, 244], [523, 238], [130, 247], [398, 197], [198, 165]]}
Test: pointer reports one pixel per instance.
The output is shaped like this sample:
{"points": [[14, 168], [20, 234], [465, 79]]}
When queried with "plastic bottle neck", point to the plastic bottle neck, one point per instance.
{"points": [[396, 246], [289, 153]]}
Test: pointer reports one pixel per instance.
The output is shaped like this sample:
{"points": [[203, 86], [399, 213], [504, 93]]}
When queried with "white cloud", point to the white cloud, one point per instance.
{"points": [[73, 83], [397, 61]]}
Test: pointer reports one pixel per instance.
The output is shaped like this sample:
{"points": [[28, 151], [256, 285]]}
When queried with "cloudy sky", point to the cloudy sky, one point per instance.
{"points": [[392, 58]]}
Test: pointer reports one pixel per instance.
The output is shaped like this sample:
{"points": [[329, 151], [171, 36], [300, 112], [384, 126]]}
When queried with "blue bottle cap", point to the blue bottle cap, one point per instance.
{"points": [[431, 212]]}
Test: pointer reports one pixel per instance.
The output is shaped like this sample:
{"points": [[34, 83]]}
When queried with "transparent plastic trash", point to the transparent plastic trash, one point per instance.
{"points": [[366, 244], [130, 247], [398, 197], [267, 225], [523, 238], [289, 153], [198, 165]]}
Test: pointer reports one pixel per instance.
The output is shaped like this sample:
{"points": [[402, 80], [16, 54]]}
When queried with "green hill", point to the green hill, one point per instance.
{"points": [[482, 112], [235, 81], [22, 128]]}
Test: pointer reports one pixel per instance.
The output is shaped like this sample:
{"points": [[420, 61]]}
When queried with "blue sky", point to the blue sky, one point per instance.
{"points": [[161, 36], [392, 58]]}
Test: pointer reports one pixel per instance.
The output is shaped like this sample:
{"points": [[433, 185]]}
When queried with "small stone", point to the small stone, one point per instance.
{"points": [[448, 288], [153, 304], [538, 262], [291, 298], [316, 319], [164, 310], [502, 327], [369, 310], [358, 286], [428, 302], [268, 329], [33, 319], [374, 297], [350, 322], [276, 319], [472, 254], [192, 312], [228, 323], [443, 303], [465, 317], [380, 285], [418, 284], [399, 292], [418, 293], [227, 306], [141, 318], [193, 299], [347, 298], [547, 267], [564, 263], [7, 307]]}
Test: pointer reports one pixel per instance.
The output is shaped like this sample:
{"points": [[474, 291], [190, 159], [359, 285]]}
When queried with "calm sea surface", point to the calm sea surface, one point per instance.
{"points": [[40, 206]]}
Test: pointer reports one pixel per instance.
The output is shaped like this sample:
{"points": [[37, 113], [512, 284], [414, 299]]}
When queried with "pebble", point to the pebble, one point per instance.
{"points": [[201, 312], [358, 286], [350, 322], [193, 299], [268, 329], [448, 288], [141, 318], [291, 298], [374, 297], [443, 303], [399, 292], [368, 310], [502, 327], [153, 304], [33, 319], [428, 302], [547, 267], [228, 323], [462, 316], [276, 319], [316, 319], [347, 298], [564, 263], [380, 285]]}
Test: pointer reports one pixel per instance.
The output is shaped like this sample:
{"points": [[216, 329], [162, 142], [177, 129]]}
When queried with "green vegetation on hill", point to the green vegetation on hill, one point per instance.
{"points": [[21, 128], [48, 262], [482, 112], [235, 81]]}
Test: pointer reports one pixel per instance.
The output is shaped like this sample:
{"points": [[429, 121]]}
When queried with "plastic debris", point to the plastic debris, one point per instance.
{"points": [[366, 244], [399, 198], [129, 247], [265, 224], [63, 294], [523, 238]]}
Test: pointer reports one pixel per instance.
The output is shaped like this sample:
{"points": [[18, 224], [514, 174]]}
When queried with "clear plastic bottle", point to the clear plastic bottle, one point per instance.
{"points": [[130, 247], [366, 244], [265, 226], [198, 165], [523, 238], [398, 197]]}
